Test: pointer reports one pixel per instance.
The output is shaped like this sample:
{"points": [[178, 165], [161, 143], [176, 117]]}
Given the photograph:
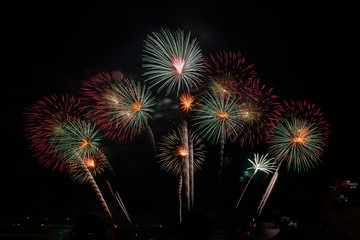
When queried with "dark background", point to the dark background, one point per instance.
{"points": [[305, 50]]}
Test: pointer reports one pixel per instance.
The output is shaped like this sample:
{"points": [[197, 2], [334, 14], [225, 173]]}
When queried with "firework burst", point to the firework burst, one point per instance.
{"points": [[262, 163], [172, 151], [260, 111], [96, 165], [309, 112], [44, 121], [76, 141], [121, 106], [186, 102], [172, 61], [229, 70], [218, 117], [297, 142]]}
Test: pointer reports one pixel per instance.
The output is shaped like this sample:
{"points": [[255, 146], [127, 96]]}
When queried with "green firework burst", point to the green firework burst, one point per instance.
{"points": [[218, 116], [298, 143], [129, 105], [76, 141]]}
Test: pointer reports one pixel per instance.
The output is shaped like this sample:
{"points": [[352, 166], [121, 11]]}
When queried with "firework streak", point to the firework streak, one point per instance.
{"points": [[268, 191], [119, 201]]}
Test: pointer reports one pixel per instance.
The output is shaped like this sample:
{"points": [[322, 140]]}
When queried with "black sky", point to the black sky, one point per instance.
{"points": [[306, 51]]}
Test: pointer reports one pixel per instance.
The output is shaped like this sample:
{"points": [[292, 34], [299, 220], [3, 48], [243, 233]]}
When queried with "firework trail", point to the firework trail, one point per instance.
{"points": [[260, 163], [119, 201], [186, 161], [172, 61], [268, 191], [179, 197], [96, 189], [172, 152]]}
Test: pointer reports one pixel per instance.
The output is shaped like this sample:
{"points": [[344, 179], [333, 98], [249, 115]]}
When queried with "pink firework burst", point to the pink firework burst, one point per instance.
{"points": [[44, 120]]}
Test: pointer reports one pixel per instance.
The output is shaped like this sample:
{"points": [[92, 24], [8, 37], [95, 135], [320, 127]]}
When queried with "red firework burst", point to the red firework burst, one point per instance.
{"points": [[261, 109], [43, 122], [228, 70]]}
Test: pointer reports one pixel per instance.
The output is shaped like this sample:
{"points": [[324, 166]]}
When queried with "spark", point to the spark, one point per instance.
{"points": [[186, 102]]}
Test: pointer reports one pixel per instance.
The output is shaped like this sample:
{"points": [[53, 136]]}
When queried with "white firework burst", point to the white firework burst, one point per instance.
{"points": [[262, 163]]}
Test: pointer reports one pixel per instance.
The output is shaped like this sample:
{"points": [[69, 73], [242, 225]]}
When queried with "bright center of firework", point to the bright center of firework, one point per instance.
{"points": [[300, 136], [183, 151], [89, 162], [84, 143], [222, 114], [137, 106], [178, 63], [298, 140]]}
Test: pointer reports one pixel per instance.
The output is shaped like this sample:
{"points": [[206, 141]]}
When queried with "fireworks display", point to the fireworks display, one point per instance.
{"points": [[172, 61], [220, 97], [120, 106]]}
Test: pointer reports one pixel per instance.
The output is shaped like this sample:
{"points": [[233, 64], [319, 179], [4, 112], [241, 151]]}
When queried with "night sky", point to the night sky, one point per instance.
{"points": [[305, 51]]}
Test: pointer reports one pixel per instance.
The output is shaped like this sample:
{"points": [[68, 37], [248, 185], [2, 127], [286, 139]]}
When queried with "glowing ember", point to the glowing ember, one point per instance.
{"points": [[178, 63], [186, 101], [182, 151]]}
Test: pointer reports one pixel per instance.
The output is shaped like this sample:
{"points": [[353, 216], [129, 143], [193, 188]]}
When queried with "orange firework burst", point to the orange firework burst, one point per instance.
{"points": [[182, 151], [186, 102]]}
